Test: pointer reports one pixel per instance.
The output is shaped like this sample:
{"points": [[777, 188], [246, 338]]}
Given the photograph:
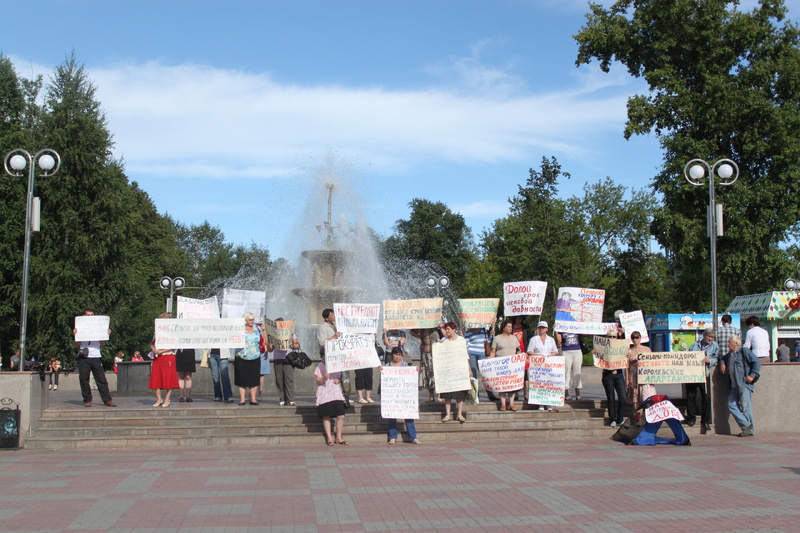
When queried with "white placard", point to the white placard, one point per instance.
{"points": [[523, 297], [236, 302], [451, 366], [400, 392], [662, 411], [91, 328], [194, 308], [357, 318], [351, 352], [634, 321], [503, 374], [546, 380], [174, 333]]}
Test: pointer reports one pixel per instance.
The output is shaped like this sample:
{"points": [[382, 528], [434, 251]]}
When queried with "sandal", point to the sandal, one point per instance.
{"points": [[343, 443], [462, 419], [392, 441], [512, 408], [502, 409], [448, 418], [331, 443], [415, 441]]}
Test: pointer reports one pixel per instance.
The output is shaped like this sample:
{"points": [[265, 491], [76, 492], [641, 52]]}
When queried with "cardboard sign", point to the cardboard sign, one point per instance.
{"points": [[523, 297], [194, 308], [400, 392], [279, 333], [91, 328], [662, 411], [634, 321], [546, 380], [351, 352], [175, 333], [451, 366], [422, 313], [503, 374], [478, 312], [671, 367], [236, 303], [357, 318], [610, 354], [580, 310]]}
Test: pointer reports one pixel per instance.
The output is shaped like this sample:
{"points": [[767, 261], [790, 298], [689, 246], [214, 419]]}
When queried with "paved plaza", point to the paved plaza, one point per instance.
{"points": [[720, 483]]}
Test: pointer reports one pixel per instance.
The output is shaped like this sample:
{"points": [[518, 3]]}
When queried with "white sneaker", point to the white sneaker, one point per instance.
{"points": [[55, 387], [613, 424], [49, 387], [541, 407], [578, 397], [549, 408]]}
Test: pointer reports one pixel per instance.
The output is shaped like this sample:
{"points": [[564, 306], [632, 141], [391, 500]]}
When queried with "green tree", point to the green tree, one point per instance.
{"points": [[722, 83], [434, 233]]}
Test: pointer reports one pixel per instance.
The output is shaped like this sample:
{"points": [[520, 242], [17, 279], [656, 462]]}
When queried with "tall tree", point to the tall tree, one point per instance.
{"points": [[723, 83], [434, 233]]}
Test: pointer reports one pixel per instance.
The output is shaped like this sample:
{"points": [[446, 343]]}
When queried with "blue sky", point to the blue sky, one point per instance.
{"points": [[223, 111]]}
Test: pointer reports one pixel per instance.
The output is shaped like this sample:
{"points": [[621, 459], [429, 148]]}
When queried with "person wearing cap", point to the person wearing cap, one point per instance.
{"points": [[542, 344]]}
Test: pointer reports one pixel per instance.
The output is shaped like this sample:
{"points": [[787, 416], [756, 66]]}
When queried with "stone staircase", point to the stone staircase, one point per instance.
{"points": [[228, 425]]}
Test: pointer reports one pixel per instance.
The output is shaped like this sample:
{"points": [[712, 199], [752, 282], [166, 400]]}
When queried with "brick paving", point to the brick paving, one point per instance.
{"points": [[720, 483]]}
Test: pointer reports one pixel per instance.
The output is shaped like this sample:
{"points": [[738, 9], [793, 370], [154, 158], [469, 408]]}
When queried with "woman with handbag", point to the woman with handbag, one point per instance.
{"points": [[247, 363]]}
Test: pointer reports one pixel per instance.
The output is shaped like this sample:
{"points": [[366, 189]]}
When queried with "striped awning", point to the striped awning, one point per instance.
{"points": [[774, 305]]}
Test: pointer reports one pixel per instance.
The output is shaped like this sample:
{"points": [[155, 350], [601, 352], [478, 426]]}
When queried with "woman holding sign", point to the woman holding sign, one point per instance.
{"points": [[330, 403], [397, 360], [163, 373], [635, 393], [458, 396], [505, 344], [247, 365]]}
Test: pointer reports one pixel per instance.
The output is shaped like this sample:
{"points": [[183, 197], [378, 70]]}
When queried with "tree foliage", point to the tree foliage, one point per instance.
{"points": [[723, 83]]}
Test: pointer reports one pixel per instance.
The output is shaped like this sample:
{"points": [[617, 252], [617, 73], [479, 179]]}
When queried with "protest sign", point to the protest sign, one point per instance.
{"points": [[194, 308], [523, 297], [671, 367], [236, 303], [546, 380], [451, 366], [91, 328], [400, 392], [279, 333], [634, 321], [478, 312], [350, 352], [662, 411], [610, 354], [503, 374], [175, 333], [580, 310], [421, 313], [357, 318]]}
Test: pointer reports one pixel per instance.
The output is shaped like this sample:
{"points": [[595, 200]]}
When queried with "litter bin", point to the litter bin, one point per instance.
{"points": [[9, 424]]}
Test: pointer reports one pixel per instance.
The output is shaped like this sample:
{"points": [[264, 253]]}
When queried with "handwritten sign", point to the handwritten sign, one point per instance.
{"points": [[400, 392], [634, 321], [175, 333], [503, 374], [194, 308], [91, 328], [546, 380], [671, 367], [580, 310], [351, 352], [421, 313], [279, 333], [523, 297], [451, 366], [662, 411], [478, 312], [236, 303], [610, 354], [357, 318]]}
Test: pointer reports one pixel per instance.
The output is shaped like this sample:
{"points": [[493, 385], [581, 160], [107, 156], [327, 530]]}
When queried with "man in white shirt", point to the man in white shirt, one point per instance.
{"points": [[90, 362], [757, 339]]}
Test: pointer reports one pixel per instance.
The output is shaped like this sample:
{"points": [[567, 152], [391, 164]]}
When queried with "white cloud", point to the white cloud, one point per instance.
{"points": [[482, 208]]}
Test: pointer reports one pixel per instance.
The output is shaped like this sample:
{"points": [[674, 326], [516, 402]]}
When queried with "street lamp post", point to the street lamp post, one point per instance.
{"points": [[439, 283], [15, 162], [728, 172], [792, 284], [174, 285]]}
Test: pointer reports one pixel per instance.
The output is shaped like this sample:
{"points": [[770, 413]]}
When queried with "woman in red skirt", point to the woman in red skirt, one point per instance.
{"points": [[163, 372]]}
